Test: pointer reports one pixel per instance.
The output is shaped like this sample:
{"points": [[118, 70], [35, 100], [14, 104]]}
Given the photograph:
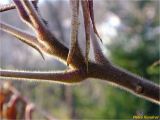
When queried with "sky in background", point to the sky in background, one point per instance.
{"points": [[8, 1], [107, 28]]}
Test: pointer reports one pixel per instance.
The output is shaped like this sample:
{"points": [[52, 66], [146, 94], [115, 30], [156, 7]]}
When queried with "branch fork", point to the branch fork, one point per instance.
{"points": [[81, 67]]}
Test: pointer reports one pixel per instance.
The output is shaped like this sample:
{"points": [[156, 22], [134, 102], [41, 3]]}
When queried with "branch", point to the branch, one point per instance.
{"points": [[74, 29], [12, 6], [104, 71], [13, 100], [35, 19], [29, 107], [51, 45], [121, 78], [22, 36], [71, 76], [90, 3], [126, 80], [86, 17], [29, 110], [98, 54], [7, 7]]}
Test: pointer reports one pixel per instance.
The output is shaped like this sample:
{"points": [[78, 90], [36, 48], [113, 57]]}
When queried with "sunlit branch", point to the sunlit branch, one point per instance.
{"points": [[71, 76], [34, 17], [102, 69], [86, 17], [22, 36], [90, 3], [128, 81], [98, 54], [74, 29], [52, 45], [22, 12], [11, 6]]}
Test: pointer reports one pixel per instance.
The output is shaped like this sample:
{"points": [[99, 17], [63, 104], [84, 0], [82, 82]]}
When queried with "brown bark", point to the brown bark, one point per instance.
{"points": [[102, 70]]}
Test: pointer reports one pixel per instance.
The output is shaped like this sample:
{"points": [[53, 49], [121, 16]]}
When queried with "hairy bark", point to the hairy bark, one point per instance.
{"points": [[101, 69], [126, 80]]}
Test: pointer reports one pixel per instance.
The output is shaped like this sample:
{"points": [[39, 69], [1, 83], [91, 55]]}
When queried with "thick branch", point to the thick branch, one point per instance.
{"points": [[137, 85], [74, 30], [128, 81], [71, 76], [55, 48], [52, 45]]}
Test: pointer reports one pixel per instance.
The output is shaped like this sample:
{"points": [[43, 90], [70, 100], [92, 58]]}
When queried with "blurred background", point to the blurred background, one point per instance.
{"points": [[130, 30]]}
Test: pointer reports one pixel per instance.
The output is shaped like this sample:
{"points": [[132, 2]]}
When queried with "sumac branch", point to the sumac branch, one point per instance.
{"points": [[81, 67]]}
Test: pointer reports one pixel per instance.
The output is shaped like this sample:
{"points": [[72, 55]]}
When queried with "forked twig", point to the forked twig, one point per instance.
{"points": [[102, 69], [23, 36]]}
